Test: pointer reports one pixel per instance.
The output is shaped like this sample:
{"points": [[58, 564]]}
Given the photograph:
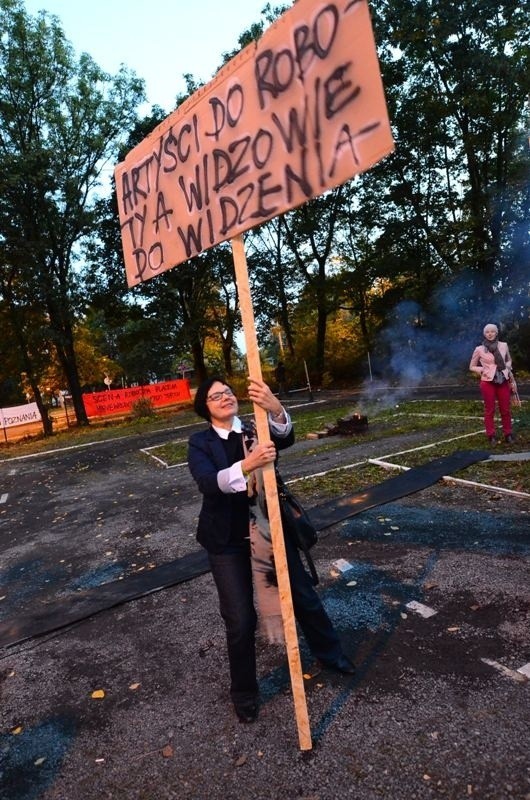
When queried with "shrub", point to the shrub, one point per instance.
{"points": [[143, 408]]}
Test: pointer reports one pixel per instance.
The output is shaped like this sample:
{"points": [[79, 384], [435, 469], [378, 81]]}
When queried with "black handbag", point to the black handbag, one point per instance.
{"points": [[297, 525]]}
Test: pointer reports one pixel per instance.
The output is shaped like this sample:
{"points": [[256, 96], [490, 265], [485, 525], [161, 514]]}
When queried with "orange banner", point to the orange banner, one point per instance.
{"points": [[295, 114], [117, 401]]}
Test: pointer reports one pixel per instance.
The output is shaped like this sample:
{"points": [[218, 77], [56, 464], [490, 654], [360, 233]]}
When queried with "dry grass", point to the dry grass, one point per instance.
{"points": [[441, 422]]}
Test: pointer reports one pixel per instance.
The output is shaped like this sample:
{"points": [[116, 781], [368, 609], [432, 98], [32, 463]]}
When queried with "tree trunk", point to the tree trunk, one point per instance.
{"points": [[64, 347], [320, 356], [47, 422], [198, 360], [227, 357], [24, 348]]}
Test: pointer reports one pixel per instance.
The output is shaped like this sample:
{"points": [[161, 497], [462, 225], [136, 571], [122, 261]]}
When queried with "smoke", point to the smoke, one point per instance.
{"points": [[433, 345]]}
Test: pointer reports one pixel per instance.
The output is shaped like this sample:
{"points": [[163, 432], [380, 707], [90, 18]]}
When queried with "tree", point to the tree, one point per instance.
{"points": [[274, 279], [458, 80], [310, 232], [61, 121]]}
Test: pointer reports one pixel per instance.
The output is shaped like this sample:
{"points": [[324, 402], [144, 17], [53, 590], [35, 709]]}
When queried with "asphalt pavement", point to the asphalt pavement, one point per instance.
{"points": [[431, 598]]}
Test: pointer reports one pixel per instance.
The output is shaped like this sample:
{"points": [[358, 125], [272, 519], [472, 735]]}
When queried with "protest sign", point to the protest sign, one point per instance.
{"points": [[295, 114]]}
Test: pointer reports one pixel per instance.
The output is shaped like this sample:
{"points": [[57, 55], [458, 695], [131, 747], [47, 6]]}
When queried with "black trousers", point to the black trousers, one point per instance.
{"points": [[232, 574]]}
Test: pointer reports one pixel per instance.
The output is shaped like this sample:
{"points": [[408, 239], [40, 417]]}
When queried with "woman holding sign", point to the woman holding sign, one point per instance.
{"points": [[225, 461]]}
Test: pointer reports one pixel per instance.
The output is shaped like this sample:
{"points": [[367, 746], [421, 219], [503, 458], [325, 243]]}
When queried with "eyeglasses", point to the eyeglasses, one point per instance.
{"points": [[219, 395]]}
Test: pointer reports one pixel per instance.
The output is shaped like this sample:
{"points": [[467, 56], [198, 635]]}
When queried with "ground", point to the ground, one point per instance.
{"points": [[438, 707]]}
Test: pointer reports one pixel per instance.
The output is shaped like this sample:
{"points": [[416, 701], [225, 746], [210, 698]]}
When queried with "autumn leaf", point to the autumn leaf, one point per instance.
{"points": [[167, 751], [98, 694]]}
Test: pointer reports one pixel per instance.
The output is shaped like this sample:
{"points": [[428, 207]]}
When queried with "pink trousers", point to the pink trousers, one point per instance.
{"points": [[500, 393]]}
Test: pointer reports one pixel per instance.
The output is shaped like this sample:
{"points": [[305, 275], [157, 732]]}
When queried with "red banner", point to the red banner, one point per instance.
{"points": [[118, 401]]}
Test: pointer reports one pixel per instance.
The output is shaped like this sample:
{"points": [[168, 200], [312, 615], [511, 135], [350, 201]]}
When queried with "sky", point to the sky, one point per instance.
{"points": [[159, 41]]}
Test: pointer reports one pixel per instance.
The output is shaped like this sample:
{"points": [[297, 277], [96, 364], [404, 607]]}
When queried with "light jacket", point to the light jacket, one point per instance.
{"points": [[483, 362]]}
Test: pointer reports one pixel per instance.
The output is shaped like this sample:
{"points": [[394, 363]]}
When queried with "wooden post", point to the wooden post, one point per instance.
{"points": [[273, 507]]}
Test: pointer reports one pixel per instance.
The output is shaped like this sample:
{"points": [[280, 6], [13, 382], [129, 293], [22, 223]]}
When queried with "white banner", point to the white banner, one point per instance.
{"points": [[19, 415]]}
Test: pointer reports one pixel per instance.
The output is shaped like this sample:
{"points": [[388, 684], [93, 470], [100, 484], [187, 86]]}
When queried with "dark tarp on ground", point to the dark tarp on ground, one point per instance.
{"points": [[414, 480], [84, 604]]}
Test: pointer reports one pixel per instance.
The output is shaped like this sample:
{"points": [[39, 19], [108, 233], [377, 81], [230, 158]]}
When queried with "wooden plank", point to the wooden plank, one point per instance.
{"points": [[273, 507]]}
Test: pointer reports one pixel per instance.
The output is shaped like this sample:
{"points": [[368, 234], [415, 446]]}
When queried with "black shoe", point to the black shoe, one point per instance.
{"points": [[246, 712], [492, 440], [508, 438], [342, 664]]}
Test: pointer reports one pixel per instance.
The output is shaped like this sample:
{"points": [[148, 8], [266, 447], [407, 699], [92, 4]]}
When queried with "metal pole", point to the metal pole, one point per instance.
{"points": [[308, 382], [369, 365]]}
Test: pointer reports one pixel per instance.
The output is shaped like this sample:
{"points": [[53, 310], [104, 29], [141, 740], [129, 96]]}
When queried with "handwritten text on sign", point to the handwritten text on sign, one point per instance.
{"points": [[300, 112]]}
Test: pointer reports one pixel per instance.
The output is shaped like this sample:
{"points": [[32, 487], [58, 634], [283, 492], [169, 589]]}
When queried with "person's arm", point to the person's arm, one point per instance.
{"points": [[280, 425], [261, 395], [508, 359], [474, 364], [202, 467], [209, 478], [280, 422]]}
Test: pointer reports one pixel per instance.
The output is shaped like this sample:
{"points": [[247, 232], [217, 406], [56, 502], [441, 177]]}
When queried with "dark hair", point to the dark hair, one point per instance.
{"points": [[199, 403]]}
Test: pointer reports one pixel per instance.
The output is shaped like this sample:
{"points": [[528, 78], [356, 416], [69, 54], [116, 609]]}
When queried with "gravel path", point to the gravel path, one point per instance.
{"points": [[439, 707]]}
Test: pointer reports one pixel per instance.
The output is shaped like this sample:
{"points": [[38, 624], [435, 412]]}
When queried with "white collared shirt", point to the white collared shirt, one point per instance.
{"points": [[231, 479]]}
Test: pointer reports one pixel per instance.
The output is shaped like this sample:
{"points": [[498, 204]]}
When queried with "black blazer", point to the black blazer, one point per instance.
{"points": [[206, 456]]}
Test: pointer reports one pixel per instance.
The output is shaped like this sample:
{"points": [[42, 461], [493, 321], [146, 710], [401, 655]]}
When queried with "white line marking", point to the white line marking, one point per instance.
{"points": [[92, 444], [450, 478], [525, 670], [372, 461], [498, 489], [434, 444], [3, 498], [506, 671], [156, 458], [165, 444], [422, 610], [342, 565], [387, 464], [328, 471]]}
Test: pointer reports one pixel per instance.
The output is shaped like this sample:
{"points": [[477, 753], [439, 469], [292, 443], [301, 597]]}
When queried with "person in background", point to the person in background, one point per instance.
{"points": [[492, 361], [226, 460]]}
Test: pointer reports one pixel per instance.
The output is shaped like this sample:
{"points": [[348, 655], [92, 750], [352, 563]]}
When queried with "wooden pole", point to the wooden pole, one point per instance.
{"points": [[273, 507]]}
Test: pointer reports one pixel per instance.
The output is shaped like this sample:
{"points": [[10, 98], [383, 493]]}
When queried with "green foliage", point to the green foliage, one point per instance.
{"points": [[142, 409], [60, 122], [437, 231]]}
